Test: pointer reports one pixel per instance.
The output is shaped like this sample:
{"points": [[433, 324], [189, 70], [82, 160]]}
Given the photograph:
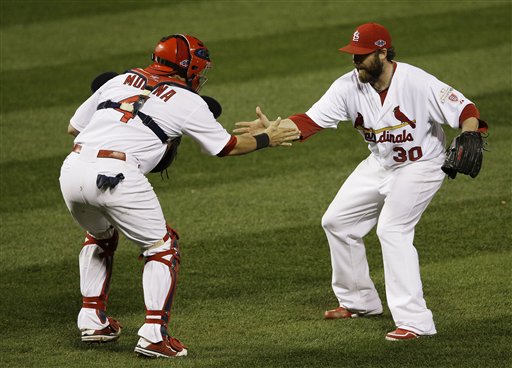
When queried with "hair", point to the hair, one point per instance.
{"points": [[391, 53]]}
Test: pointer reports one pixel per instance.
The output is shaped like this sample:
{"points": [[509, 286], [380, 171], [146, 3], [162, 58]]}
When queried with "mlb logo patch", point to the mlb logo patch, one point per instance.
{"points": [[380, 43]]}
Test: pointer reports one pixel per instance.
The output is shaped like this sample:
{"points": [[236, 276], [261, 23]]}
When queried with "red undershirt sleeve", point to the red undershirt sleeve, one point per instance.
{"points": [[306, 125], [228, 147]]}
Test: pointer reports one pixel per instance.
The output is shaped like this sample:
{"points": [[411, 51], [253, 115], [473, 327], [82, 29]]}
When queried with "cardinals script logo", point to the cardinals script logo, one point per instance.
{"points": [[383, 135]]}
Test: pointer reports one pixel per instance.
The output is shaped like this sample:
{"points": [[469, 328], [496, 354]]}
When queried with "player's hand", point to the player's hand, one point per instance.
{"points": [[254, 127], [281, 136]]}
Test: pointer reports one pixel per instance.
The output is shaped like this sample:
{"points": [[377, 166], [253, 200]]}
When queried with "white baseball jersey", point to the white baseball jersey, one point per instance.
{"points": [[177, 111], [406, 128], [131, 206]]}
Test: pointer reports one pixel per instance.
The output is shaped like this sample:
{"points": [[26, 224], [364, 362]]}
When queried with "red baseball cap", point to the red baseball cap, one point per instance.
{"points": [[368, 38]]}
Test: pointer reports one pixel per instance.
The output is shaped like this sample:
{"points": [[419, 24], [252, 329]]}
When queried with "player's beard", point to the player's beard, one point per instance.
{"points": [[371, 73]]}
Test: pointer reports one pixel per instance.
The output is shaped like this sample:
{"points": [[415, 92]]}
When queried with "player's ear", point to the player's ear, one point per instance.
{"points": [[383, 53]]}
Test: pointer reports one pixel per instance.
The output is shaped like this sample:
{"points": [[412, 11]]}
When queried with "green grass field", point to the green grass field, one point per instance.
{"points": [[255, 276]]}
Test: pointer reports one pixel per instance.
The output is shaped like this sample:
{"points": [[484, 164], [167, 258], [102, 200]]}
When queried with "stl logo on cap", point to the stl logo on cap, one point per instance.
{"points": [[368, 38]]}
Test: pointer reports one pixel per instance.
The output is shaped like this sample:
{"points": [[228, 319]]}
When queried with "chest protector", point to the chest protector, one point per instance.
{"points": [[151, 82]]}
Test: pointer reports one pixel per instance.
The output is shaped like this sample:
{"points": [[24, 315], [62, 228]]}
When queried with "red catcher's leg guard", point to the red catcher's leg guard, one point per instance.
{"points": [[174, 251], [99, 302], [94, 302], [172, 261], [109, 245], [163, 320]]}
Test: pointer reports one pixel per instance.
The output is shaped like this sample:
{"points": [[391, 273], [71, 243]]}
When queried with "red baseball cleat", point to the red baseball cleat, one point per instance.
{"points": [[401, 334], [342, 312], [107, 334], [339, 313], [168, 348]]}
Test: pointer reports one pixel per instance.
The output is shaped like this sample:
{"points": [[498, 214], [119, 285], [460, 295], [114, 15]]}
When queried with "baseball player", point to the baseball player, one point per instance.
{"points": [[128, 127], [398, 109]]}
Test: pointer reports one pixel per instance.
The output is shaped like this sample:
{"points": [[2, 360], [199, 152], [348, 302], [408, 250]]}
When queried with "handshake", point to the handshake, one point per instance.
{"points": [[279, 132]]}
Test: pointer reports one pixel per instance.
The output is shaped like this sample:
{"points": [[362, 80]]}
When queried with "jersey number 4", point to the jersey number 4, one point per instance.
{"points": [[402, 155], [127, 115]]}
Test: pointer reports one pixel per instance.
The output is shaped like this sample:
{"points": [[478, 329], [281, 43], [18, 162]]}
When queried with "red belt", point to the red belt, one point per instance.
{"points": [[103, 153]]}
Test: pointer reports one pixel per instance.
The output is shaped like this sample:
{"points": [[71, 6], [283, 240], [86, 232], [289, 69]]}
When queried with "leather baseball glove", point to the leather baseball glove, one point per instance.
{"points": [[464, 155]]}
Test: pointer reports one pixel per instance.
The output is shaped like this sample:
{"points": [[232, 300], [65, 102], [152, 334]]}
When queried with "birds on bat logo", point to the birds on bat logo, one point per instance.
{"points": [[384, 134]]}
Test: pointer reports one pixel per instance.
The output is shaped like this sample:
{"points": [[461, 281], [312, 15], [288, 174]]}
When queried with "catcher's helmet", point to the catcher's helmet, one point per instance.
{"points": [[184, 55]]}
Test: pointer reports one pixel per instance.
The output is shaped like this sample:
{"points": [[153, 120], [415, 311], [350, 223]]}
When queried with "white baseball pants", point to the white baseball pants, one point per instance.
{"points": [[132, 208], [394, 199]]}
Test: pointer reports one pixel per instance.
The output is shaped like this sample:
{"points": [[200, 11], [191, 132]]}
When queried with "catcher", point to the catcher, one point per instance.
{"points": [[130, 126]]}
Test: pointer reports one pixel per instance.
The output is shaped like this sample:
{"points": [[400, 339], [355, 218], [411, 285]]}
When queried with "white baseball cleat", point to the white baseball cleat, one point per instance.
{"points": [[168, 348]]}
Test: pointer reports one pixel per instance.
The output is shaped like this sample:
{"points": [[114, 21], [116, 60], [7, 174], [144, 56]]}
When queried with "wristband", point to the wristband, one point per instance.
{"points": [[262, 140]]}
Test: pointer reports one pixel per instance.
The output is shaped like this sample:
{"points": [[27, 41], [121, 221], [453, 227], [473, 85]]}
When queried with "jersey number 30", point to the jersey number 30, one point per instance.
{"points": [[402, 155]]}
